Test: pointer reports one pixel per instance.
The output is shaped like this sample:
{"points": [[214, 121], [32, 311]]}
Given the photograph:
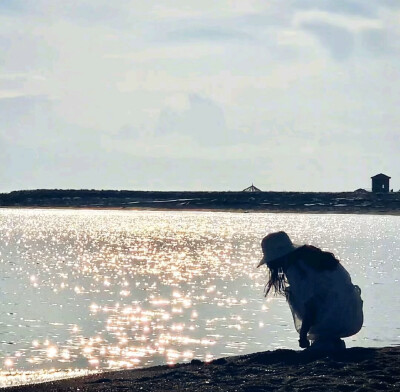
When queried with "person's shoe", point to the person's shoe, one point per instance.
{"points": [[328, 345]]}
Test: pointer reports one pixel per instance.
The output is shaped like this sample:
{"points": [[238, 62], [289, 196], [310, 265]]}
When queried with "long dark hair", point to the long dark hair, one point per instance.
{"points": [[277, 280], [312, 256]]}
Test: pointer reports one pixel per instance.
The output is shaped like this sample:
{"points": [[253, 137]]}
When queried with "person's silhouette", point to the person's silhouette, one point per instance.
{"points": [[325, 305]]}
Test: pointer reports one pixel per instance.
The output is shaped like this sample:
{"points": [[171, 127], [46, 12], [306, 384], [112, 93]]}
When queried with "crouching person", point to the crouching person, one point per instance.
{"points": [[325, 304]]}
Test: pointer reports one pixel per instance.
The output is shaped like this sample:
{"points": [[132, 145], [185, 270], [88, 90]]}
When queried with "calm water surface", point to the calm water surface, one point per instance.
{"points": [[86, 290]]}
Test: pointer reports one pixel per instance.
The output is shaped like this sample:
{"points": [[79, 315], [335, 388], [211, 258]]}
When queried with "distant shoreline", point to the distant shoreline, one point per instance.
{"points": [[275, 202], [231, 210]]}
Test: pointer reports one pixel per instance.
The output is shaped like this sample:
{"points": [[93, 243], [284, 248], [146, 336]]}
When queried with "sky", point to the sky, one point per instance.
{"points": [[291, 95]]}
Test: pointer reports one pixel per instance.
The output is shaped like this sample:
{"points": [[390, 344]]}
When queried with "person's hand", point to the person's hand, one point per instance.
{"points": [[303, 342]]}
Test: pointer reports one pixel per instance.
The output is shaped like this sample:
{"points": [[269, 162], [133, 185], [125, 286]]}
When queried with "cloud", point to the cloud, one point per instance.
{"points": [[376, 42], [85, 11], [342, 35], [92, 89], [12, 6], [203, 120], [207, 34], [31, 123], [127, 133], [339, 41], [13, 85], [25, 119], [350, 23], [171, 52], [391, 4], [22, 50], [344, 7]]}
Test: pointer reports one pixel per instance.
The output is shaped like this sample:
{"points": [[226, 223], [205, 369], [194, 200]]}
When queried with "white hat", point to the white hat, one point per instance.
{"points": [[276, 245]]}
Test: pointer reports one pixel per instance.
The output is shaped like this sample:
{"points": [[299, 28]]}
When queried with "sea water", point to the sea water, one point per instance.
{"points": [[87, 290]]}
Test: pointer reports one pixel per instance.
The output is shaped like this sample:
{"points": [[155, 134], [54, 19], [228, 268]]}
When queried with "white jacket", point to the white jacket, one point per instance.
{"points": [[336, 301]]}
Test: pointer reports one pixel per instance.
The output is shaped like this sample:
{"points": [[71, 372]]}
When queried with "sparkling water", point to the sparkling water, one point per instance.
{"points": [[83, 290]]}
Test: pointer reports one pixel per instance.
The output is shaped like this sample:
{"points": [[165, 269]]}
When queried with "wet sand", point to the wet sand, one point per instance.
{"points": [[354, 369]]}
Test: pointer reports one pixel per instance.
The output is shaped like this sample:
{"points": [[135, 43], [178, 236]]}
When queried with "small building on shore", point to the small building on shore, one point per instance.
{"points": [[251, 188], [380, 183], [361, 191]]}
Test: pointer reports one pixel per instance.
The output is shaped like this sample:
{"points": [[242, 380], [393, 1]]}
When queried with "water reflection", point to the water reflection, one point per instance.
{"points": [[118, 289]]}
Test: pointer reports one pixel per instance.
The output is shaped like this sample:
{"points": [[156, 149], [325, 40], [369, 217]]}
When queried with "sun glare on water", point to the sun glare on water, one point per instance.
{"points": [[85, 291]]}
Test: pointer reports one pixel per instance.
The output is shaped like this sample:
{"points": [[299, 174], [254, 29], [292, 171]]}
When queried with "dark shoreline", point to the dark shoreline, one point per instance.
{"points": [[286, 202], [355, 369]]}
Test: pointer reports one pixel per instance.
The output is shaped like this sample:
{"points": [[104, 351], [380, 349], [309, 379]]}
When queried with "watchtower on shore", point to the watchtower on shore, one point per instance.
{"points": [[380, 183]]}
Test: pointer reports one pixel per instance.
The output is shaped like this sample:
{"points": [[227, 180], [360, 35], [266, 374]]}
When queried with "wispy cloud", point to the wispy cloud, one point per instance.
{"points": [[171, 52], [351, 23], [206, 34]]}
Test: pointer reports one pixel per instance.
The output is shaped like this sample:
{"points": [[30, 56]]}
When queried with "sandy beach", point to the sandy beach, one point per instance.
{"points": [[354, 369]]}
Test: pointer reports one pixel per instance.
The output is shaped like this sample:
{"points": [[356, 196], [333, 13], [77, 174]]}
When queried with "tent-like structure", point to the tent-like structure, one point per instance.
{"points": [[251, 188]]}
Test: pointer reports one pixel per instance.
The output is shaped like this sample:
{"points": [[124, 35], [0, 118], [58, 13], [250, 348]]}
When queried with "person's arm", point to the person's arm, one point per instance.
{"points": [[307, 322]]}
